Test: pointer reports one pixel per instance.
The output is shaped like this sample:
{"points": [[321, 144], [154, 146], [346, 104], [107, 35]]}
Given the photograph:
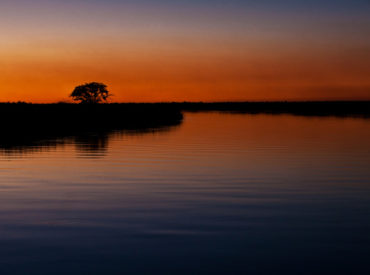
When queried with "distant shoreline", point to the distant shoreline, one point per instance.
{"points": [[26, 125], [134, 112]]}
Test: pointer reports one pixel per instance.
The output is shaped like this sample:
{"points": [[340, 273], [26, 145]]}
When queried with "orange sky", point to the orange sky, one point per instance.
{"points": [[221, 55]]}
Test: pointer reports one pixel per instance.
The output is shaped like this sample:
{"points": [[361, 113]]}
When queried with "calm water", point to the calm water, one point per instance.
{"points": [[218, 194]]}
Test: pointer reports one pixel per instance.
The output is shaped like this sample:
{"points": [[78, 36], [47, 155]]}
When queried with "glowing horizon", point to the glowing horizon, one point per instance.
{"points": [[149, 51]]}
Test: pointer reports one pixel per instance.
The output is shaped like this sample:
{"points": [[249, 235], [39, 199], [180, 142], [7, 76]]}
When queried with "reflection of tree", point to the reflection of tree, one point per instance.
{"points": [[92, 144], [88, 144]]}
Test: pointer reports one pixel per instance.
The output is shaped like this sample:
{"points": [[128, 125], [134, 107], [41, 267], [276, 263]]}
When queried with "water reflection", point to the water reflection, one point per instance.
{"points": [[222, 194], [92, 144], [87, 143]]}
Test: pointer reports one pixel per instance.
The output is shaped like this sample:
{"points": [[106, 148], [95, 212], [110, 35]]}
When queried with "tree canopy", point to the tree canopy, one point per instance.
{"points": [[91, 93]]}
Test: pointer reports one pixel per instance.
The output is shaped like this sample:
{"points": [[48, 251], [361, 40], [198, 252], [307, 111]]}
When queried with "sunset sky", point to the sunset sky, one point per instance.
{"points": [[194, 50]]}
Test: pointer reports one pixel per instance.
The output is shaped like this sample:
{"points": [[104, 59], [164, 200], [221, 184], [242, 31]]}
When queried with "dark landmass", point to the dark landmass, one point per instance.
{"points": [[34, 125], [52, 117], [29, 125]]}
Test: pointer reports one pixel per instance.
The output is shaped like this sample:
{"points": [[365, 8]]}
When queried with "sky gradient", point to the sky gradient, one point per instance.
{"points": [[148, 51]]}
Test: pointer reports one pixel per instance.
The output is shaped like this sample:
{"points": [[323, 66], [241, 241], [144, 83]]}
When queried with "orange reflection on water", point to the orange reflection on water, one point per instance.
{"points": [[254, 143]]}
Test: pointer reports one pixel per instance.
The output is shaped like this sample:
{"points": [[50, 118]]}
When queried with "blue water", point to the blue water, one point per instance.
{"points": [[218, 194]]}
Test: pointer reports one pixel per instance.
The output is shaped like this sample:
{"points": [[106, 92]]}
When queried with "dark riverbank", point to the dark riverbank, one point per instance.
{"points": [[27, 125], [133, 114], [61, 117], [83, 116], [22, 120]]}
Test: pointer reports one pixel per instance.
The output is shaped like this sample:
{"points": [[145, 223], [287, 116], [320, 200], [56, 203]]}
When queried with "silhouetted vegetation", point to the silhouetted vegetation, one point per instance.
{"points": [[91, 93], [28, 125]]}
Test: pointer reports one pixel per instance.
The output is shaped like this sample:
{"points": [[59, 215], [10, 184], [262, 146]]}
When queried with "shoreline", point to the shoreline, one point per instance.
{"points": [[136, 113], [27, 126]]}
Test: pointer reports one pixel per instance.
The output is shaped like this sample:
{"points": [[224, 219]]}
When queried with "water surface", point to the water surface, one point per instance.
{"points": [[218, 194]]}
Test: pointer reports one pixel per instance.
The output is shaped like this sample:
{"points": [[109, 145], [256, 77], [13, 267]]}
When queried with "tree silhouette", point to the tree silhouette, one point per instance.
{"points": [[91, 93]]}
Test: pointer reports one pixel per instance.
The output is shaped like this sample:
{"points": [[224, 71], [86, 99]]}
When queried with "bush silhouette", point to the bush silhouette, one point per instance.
{"points": [[91, 93]]}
